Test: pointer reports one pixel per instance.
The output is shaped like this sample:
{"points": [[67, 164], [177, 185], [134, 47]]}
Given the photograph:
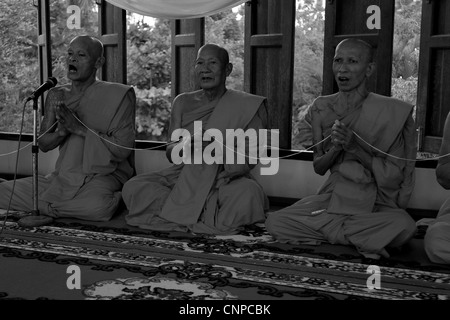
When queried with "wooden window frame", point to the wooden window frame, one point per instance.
{"points": [[428, 88], [44, 43], [188, 35]]}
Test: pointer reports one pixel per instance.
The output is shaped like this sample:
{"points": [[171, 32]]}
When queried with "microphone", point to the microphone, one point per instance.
{"points": [[50, 83]]}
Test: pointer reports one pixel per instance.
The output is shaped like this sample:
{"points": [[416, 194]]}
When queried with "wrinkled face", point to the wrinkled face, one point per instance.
{"points": [[351, 65], [81, 60], [210, 70]]}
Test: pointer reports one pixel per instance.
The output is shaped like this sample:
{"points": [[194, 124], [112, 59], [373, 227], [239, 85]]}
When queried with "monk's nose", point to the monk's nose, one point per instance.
{"points": [[343, 67]]}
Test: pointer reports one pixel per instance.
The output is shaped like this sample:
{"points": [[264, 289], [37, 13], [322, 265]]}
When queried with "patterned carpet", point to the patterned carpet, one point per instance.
{"points": [[113, 261]]}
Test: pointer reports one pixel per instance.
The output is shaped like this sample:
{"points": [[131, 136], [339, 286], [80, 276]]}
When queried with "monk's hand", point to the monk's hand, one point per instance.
{"points": [[61, 129], [343, 136], [68, 120]]}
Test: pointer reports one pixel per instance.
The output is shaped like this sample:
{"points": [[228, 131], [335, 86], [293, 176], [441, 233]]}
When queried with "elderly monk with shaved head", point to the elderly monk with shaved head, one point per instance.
{"points": [[363, 201], [216, 197], [91, 122]]}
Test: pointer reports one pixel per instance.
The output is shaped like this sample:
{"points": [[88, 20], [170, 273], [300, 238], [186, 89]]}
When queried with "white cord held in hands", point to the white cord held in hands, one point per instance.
{"points": [[187, 144]]}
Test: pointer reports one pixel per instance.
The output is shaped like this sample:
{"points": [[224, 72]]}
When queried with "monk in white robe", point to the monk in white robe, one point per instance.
{"points": [[437, 237], [363, 201], [204, 198], [92, 164]]}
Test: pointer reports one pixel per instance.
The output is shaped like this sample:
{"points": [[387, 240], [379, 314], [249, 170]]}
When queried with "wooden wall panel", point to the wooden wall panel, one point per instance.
{"points": [[269, 59]]}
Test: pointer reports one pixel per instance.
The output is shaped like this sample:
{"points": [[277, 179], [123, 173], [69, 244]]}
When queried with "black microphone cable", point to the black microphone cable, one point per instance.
{"points": [[15, 170], [17, 165]]}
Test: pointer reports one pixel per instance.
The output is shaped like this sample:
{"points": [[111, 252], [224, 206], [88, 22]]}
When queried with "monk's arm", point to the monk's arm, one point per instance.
{"points": [[105, 149], [387, 170], [51, 135], [323, 160], [258, 122], [443, 167]]}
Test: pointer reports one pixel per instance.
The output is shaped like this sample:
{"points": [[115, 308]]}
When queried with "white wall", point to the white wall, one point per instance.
{"points": [[427, 194], [46, 161], [295, 178]]}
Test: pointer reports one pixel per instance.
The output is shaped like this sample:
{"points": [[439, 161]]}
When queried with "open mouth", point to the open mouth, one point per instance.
{"points": [[343, 79], [72, 68], [205, 78]]}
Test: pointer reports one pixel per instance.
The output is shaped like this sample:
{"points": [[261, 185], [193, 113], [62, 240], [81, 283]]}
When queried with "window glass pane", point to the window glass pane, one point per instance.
{"points": [[19, 65], [226, 29], [308, 67], [149, 72], [406, 50], [405, 68]]}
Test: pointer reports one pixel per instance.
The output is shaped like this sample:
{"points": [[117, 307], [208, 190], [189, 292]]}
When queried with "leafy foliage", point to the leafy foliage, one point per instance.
{"points": [[152, 113], [18, 63], [19, 53], [226, 29], [308, 68], [149, 71]]}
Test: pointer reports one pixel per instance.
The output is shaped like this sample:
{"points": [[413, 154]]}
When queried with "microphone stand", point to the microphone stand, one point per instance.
{"points": [[35, 153], [35, 219]]}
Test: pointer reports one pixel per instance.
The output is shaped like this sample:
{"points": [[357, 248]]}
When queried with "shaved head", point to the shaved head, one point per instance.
{"points": [[222, 53], [365, 47], [94, 45]]}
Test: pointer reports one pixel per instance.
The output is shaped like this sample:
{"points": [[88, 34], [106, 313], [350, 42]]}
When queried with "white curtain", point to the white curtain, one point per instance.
{"points": [[176, 9]]}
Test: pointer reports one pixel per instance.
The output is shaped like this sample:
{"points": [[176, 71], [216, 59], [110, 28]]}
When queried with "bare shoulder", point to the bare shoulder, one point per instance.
{"points": [[322, 106], [54, 97], [185, 102], [58, 93], [323, 102]]}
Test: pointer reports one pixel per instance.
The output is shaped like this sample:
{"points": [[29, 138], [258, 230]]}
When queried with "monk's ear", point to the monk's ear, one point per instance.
{"points": [[228, 69], [99, 63], [370, 69]]}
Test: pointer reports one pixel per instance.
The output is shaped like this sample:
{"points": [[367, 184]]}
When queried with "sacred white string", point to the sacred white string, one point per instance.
{"points": [[255, 158], [399, 158], [244, 155], [177, 141], [120, 146], [272, 147]]}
